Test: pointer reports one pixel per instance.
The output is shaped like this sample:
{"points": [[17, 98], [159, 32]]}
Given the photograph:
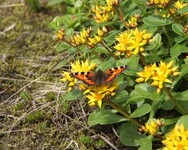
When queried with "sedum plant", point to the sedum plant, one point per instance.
{"points": [[131, 56]]}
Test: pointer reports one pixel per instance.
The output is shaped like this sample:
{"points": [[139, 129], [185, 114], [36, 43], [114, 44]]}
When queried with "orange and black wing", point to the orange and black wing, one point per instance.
{"points": [[114, 72], [86, 77]]}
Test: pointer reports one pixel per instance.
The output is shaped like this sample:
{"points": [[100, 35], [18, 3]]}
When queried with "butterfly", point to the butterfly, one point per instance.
{"points": [[99, 77]]}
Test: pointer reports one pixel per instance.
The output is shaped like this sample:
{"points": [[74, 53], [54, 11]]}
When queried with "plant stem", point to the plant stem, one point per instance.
{"points": [[178, 105], [120, 15], [142, 59], [109, 50], [168, 37], [123, 112]]}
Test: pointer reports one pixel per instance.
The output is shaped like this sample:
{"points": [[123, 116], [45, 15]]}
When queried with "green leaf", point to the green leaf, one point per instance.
{"points": [[177, 28], [120, 97], [180, 39], [143, 91], [104, 117], [129, 135], [183, 120], [135, 97], [152, 58], [109, 39], [171, 121], [181, 95], [147, 143], [106, 64], [141, 110], [100, 50], [167, 105], [63, 46], [121, 62], [156, 21], [73, 95], [184, 71], [71, 21], [156, 43], [177, 49], [154, 108], [69, 33], [133, 62], [183, 10]]}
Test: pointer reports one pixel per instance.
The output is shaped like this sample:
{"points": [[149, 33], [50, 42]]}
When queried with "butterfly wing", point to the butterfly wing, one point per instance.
{"points": [[99, 77], [114, 72], [86, 77]]}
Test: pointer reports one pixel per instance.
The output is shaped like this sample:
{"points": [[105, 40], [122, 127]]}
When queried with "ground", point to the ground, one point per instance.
{"points": [[33, 114]]}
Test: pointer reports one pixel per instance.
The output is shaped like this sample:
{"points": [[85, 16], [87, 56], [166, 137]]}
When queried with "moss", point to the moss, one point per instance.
{"points": [[33, 114]]}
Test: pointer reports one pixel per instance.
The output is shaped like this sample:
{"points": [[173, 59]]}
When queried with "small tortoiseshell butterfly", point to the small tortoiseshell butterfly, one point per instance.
{"points": [[99, 77]]}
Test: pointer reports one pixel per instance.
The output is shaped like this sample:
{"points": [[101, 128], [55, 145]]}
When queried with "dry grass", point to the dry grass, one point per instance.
{"points": [[33, 113]]}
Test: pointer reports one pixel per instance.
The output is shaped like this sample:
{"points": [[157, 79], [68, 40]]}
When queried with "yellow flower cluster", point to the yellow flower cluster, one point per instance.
{"points": [[97, 37], [177, 6], [159, 3], [132, 42], [71, 82], [174, 7], [76, 67], [177, 139], [133, 21], [95, 94], [80, 38], [82, 66], [60, 35], [158, 75], [83, 37], [104, 13], [152, 127]]}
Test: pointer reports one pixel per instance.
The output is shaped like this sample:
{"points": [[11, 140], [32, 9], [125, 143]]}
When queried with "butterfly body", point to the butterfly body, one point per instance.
{"points": [[99, 77]]}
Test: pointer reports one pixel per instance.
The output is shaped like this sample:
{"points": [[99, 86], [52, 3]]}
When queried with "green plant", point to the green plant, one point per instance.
{"points": [[148, 37]]}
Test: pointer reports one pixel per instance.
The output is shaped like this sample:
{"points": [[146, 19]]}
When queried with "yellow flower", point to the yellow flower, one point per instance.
{"points": [[124, 42], [112, 2], [104, 13], [178, 5], [159, 79], [95, 98], [60, 34], [133, 21], [96, 94], [132, 41], [82, 66], [177, 139], [71, 82], [97, 38], [140, 39], [159, 3], [78, 66], [80, 38], [102, 31], [158, 75], [152, 127], [147, 73]]}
